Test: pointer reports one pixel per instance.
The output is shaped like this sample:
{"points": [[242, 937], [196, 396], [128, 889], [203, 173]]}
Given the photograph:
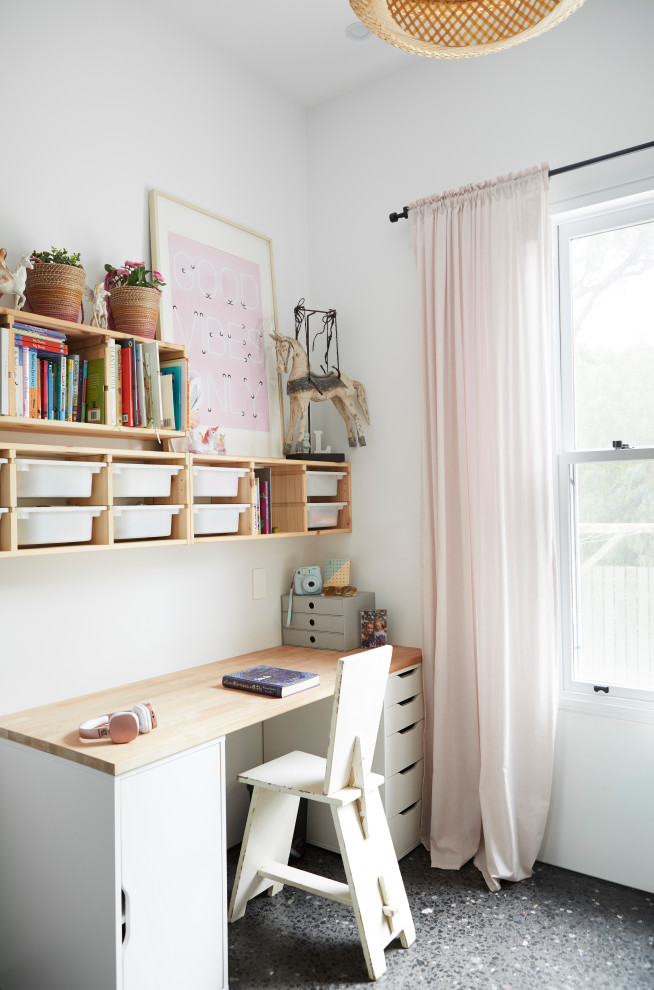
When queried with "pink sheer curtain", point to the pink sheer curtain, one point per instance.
{"points": [[488, 570]]}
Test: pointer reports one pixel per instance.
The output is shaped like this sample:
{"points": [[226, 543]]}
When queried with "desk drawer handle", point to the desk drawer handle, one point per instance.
{"points": [[408, 700], [410, 808], [312, 622], [312, 639], [409, 769], [408, 728], [409, 673], [312, 605]]}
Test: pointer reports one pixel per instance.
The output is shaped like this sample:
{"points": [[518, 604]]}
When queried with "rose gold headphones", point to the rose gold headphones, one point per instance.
{"points": [[121, 727]]}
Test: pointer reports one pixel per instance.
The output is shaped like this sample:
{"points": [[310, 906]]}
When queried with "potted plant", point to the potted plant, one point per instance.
{"points": [[55, 284], [134, 298]]}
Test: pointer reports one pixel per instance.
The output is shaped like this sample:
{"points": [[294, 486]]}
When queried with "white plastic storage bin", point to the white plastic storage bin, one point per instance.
{"points": [[223, 481], [210, 518], [41, 478], [322, 515], [323, 482], [141, 522], [143, 480], [56, 523]]}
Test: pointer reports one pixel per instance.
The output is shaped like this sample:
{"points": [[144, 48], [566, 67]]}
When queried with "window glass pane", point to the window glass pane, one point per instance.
{"points": [[612, 275], [613, 524]]}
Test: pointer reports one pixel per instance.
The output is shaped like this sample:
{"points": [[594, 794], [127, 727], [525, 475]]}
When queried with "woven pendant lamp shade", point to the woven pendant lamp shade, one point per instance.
{"points": [[460, 28]]}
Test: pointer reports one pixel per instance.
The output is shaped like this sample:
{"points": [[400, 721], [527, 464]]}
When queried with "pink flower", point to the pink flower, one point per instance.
{"points": [[159, 277], [134, 264], [115, 278]]}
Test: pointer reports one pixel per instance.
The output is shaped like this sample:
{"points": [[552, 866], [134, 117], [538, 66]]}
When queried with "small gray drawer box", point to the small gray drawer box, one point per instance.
{"points": [[316, 639], [313, 622], [331, 623]]}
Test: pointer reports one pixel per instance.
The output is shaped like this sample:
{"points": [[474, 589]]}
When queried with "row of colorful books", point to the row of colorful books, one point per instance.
{"points": [[144, 391], [49, 383]]}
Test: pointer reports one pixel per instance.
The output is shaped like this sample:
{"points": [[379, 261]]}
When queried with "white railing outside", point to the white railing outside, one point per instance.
{"points": [[616, 635]]}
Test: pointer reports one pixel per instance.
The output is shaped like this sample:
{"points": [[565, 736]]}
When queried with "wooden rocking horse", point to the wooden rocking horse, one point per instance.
{"points": [[303, 387]]}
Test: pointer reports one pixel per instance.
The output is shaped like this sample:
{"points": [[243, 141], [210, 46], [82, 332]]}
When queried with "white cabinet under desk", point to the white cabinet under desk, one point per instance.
{"points": [[103, 878]]}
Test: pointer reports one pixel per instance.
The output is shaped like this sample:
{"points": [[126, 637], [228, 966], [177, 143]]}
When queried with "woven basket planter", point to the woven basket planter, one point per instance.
{"points": [[56, 290], [135, 309]]}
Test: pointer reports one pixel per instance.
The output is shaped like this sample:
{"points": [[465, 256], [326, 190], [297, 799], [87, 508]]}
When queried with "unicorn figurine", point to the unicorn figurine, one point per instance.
{"points": [[98, 296], [14, 282]]}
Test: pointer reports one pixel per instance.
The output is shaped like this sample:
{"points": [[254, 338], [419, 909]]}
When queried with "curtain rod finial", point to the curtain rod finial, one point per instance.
{"points": [[404, 215]]}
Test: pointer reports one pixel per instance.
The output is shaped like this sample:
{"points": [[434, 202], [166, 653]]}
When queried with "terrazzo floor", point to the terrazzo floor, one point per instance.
{"points": [[556, 931]]}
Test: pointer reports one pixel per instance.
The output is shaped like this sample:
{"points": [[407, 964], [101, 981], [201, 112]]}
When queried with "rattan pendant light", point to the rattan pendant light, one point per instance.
{"points": [[460, 28]]}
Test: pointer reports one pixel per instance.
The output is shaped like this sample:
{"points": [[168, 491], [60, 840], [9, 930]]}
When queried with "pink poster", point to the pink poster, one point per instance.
{"points": [[217, 314]]}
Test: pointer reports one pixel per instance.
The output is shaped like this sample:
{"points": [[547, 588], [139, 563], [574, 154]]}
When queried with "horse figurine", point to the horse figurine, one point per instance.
{"points": [[14, 282], [304, 387]]}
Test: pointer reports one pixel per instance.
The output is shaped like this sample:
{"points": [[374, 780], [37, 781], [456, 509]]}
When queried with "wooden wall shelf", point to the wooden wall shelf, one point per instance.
{"points": [[86, 340], [290, 504]]}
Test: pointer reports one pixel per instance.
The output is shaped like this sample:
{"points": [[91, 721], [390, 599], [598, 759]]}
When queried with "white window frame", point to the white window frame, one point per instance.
{"points": [[577, 695]]}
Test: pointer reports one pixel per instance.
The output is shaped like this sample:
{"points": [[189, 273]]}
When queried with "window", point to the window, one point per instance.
{"points": [[605, 262]]}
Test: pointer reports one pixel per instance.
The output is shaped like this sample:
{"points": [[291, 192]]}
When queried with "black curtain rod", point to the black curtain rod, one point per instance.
{"points": [[404, 213]]}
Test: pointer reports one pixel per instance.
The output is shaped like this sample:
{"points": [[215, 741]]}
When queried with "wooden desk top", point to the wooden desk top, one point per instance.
{"points": [[192, 707]]}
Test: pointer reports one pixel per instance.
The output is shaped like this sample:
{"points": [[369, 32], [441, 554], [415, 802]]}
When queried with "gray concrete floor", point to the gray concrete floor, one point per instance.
{"points": [[556, 931]]}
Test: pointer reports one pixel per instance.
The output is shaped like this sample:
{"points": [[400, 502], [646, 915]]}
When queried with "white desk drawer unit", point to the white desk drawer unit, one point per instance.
{"points": [[331, 623], [398, 757]]}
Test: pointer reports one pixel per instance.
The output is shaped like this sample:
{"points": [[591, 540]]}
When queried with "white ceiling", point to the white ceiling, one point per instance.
{"points": [[297, 46]]}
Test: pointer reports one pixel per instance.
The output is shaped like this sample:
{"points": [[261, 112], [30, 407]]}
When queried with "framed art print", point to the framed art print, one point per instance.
{"points": [[219, 302]]}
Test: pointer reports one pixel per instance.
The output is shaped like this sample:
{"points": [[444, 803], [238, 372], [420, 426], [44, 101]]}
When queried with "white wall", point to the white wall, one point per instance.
{"points": [[581, 90], [108, 102]]}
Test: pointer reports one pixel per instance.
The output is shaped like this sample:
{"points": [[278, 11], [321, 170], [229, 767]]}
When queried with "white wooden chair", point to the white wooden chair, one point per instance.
{"points": [[374, 887]]}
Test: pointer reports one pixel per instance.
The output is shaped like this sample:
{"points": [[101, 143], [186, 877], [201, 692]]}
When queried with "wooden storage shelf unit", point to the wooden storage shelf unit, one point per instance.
{"points": [[288, 496], [41, 502], [219, 484], [329, 485], [135, 498], [89, 342], [123, 503]]}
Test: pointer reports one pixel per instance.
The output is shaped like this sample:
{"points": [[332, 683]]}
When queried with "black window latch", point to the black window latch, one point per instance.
{"points": [[598, 687]]}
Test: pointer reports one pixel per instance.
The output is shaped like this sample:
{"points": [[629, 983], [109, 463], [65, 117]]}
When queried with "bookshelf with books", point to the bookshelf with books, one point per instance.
{"points": [[63, 377]]}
